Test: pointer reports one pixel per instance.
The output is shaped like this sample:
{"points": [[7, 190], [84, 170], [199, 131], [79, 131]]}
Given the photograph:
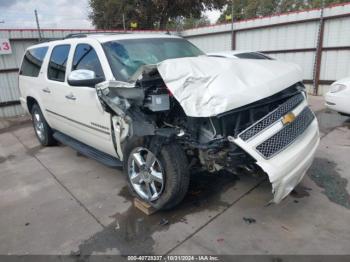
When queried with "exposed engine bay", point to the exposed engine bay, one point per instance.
{"points": [[148, 108]]}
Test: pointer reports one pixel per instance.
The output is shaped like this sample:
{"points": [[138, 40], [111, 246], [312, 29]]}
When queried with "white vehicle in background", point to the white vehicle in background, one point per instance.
{"points": [[338, 96], [160, 108], [242, 54]]}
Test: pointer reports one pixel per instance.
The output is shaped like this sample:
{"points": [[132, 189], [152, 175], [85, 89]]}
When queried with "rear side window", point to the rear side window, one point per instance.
{"points": [[85, 57], [58, 62], [32, 61]]}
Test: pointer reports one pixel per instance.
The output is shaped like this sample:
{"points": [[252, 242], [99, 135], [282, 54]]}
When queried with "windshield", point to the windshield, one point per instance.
{"points": [[126, 56]]}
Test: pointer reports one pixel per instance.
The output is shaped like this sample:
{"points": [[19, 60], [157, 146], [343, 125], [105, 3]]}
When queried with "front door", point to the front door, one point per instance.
{"points": [[90, 124]]}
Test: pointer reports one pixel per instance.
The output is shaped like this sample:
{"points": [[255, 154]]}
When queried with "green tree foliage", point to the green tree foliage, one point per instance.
{"points": [[243, 9], [149, 14], [183, 23]]}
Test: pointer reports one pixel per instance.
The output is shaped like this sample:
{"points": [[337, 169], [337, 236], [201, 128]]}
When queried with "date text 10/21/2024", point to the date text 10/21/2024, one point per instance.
{"points": [[174, 258]]}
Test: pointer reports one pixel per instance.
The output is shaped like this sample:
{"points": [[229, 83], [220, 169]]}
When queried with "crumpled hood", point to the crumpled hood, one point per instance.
{"points": [[208, 86]]}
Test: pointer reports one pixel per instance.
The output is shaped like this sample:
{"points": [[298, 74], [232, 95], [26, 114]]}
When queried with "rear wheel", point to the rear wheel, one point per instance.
{"points": [[42, 129], [158, 178]]}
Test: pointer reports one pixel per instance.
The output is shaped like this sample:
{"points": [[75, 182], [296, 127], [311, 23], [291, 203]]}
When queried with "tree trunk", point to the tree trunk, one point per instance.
{"points": [[163, 22]]}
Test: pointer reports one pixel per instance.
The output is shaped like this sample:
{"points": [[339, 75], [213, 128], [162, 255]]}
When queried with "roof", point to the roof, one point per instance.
{"points": [[103, 38], [112, 37]]}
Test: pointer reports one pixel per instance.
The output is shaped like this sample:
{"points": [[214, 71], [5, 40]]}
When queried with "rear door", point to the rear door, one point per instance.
{"points": [[90, 123], [56, 88]]}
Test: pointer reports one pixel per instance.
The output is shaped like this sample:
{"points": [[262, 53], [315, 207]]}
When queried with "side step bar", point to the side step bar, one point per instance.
{"points": [[88, 151]]}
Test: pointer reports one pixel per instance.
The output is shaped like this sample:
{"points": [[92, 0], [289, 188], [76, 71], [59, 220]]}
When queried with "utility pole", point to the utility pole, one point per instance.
{"points": [[124, 22], [37, 24], [232, 31], [318, 55]]}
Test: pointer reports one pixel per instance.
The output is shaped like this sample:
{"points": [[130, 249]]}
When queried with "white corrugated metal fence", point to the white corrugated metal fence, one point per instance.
{"points": [[291, 37]]}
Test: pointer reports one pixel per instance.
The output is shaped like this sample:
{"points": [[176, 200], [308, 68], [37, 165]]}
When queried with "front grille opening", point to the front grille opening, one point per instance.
{"points": [[236, 121], [281, 110], [287, 135]]}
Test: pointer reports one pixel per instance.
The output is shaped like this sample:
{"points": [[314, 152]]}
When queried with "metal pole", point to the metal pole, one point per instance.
{"points": [[318, 55], [232, 32], [124, 22], [37, 24]]}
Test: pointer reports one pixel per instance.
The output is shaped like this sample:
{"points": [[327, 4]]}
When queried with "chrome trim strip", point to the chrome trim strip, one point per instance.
{"points": [[99, 126], [77, 122]]}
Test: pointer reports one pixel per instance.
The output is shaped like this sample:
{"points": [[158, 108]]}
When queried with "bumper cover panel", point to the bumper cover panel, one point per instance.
{"points": [[287, 167]]}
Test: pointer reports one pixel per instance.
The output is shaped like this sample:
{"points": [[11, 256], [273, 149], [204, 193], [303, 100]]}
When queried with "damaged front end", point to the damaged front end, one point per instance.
{"points": [[250, 126]]}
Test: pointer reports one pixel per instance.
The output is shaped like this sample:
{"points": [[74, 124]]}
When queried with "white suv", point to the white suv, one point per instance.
{"points": [[158, 107]]}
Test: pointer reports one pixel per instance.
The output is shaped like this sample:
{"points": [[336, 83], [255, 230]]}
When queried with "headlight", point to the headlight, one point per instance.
{"points": [[337, 88]]}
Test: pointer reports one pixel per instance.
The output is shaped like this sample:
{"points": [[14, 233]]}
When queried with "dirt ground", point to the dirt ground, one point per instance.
{"points": [[55, 201]]}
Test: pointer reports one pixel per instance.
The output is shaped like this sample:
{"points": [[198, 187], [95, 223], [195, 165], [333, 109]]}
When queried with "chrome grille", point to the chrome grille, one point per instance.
{"points": [[287, 135], [273, 117]]}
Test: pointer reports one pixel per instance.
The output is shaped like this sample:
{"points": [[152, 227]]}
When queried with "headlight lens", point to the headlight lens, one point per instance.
{"points": [[337, 88]]}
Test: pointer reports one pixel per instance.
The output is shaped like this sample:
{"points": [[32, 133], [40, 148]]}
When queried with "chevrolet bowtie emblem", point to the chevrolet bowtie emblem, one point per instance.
{"points": [[288, 118]]}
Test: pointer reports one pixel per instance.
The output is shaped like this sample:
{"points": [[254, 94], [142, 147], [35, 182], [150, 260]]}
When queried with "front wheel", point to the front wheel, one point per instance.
{"points": [[160, 179]]}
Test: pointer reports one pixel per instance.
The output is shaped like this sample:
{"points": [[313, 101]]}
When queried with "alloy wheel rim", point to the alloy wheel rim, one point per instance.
{"points": [[146, 174], [38, 125]]}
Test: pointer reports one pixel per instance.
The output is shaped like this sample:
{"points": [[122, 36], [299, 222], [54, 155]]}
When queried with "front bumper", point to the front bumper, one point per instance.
{"points": [[287, 167]]}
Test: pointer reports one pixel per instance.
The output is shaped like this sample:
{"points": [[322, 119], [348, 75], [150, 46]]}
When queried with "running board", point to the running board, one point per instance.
{"points": [[88, 151]]}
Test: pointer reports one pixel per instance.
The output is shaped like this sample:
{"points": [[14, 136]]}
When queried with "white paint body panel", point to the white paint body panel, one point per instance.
{"points": [[287, 168], [234, 53], [78, 118], [340, 101], [208, 86]]}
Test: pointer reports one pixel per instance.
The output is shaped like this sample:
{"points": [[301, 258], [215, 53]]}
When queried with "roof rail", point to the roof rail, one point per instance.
{"points": [[85, 34]]}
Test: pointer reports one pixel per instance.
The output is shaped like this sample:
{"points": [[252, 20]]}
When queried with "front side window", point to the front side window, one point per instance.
{"points": [[85, 57], [58, 62], [127, 56], [32, 61]]}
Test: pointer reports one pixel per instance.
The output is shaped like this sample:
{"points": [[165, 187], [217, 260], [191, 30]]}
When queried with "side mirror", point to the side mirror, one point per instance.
{"points": [[83, 77]]}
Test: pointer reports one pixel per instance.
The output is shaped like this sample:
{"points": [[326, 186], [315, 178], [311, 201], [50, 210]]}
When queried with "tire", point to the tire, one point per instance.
{"points": [[173, 163], [42, 130]]}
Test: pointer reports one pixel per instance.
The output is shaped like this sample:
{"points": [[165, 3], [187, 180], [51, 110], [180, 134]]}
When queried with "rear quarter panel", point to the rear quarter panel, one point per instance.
{"points": [[32, 86]]}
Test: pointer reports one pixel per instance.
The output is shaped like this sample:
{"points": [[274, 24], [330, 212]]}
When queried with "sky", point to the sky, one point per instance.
{"points": [[52, 14]]}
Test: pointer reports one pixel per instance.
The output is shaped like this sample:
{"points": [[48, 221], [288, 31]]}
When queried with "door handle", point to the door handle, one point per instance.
{"points": [[71, 97], [46, 90]]}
